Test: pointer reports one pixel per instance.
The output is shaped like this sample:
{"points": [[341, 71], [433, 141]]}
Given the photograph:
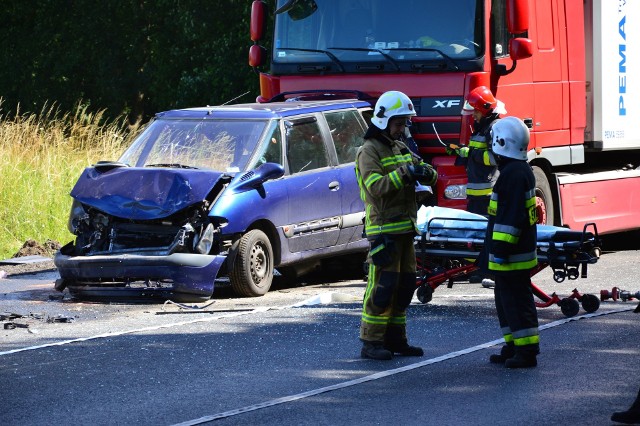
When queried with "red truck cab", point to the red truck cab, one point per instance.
{"points": [[546, 60]]}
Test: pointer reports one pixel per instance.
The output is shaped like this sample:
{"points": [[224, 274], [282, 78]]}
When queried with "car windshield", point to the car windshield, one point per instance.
{"points": [[221, 145], [398, 33]]}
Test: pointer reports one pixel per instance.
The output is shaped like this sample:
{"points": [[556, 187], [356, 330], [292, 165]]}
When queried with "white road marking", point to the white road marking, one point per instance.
{"points": [[324, 298], [380, 374], [139, 330], [330, 298]]}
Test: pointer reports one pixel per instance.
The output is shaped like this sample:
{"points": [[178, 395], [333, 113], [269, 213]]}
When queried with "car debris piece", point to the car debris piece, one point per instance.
{"points": [[59, 318], [183, 306], [14, 325], [212, 311], [9, 316]]}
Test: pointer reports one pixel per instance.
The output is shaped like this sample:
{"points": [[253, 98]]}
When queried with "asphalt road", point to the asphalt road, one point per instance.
{"points": [[292, 357]]}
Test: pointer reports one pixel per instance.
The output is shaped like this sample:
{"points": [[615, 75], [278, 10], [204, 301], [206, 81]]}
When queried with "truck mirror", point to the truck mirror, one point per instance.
{"points": [[257, 55], [258, 16], [298, 9], [517, 16], [520, 48]]}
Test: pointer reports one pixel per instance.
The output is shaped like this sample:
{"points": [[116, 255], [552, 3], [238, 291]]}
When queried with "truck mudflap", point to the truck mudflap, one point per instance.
{"points": [[182, 277]]}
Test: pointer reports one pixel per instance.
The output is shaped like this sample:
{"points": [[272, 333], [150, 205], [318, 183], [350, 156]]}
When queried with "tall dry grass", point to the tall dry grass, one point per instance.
{"points": [[41, 156]]}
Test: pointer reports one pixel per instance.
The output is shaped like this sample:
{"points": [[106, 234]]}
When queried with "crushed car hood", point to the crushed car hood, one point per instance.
{"points": [[143, 193]]}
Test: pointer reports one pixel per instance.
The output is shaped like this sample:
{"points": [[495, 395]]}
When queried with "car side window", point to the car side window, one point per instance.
{"points": [[347, 132], [270, 148], [273, 151], [305, 146]]}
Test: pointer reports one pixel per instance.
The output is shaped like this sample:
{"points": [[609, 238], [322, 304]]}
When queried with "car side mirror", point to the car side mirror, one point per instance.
{"points": [[256, 177], [269, 171]]}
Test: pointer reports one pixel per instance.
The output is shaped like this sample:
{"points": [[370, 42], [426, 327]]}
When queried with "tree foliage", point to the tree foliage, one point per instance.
{"points": [[126, 56]]}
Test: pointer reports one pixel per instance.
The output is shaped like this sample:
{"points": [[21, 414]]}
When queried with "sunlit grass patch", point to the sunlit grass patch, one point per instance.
{"points": [[42, 156]]}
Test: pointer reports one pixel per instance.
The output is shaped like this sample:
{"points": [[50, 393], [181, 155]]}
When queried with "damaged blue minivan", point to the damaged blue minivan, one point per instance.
{"points": [[218, 195]]}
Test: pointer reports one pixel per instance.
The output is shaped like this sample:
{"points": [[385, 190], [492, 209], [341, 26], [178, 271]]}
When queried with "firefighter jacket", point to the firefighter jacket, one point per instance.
{"points": [[387, 186], [511, 231], [482, 171]]}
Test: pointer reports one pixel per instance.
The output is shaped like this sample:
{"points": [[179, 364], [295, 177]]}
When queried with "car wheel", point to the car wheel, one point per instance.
{"points": [[252, 272]]}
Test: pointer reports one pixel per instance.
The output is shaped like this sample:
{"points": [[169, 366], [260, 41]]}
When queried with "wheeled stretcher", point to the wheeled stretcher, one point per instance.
{"points": [[451, 242]]}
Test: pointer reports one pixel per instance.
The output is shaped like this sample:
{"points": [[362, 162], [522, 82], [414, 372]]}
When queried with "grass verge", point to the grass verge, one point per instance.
{"points": [[42, 157]]}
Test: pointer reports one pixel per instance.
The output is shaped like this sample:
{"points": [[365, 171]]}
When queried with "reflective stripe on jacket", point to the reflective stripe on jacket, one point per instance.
{"points": [[482, 172], [386, 186], [511, 232]]}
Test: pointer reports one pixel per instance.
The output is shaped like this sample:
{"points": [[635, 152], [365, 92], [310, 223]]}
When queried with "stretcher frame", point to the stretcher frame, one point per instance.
{"points": [[442, 258]]}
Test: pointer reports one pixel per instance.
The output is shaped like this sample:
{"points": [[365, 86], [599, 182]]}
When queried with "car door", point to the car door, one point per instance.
{"points": [[347, 128], [312, 185]]}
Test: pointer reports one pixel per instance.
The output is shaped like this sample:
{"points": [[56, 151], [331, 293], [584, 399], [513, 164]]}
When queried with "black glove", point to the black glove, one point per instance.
{"points": [[422, 174]]}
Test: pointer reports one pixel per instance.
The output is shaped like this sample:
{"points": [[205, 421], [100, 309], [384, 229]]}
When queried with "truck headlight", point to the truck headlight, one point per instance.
{"points": [[455, 192]]}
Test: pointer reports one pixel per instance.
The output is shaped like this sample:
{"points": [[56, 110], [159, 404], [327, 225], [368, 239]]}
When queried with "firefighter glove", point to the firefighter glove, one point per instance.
{"points": [[463, 152], [452, 149], [423, 174]]}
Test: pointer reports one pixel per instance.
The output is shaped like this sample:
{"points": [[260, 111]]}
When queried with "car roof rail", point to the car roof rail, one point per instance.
{"points": [[320, 95]]}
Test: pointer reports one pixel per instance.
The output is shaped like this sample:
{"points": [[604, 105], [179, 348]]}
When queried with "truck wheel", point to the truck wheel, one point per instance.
{"points": [[252, 271], [544, 197]]}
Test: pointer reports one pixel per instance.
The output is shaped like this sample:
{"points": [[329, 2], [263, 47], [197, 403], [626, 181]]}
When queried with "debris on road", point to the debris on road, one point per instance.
{"points": [[8, 318]]}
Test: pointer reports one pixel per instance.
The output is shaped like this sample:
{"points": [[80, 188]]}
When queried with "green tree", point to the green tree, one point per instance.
{"points": [[133, 56]]}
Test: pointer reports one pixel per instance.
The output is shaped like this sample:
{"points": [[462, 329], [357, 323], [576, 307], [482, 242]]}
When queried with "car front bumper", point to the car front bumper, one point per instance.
{"points": [[178, 276]]}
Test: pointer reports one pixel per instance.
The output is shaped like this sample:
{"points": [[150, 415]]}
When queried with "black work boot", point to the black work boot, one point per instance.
{"points": [[521, 361], [506, 352], [525, 357], [631, 416], [375, 350], [395, 341], [404, 349]]}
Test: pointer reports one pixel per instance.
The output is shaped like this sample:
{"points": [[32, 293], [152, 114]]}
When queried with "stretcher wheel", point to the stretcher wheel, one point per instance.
{"points": [[425, 294], [590, 303], [569, 307]]}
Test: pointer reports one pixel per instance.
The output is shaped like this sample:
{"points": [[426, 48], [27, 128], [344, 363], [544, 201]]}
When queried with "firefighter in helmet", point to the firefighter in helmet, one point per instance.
{"points": [[477, 157], [510, 244], [387, 173]]}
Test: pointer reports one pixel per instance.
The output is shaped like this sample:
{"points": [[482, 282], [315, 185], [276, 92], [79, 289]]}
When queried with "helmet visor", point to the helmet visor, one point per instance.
{"points": [[467, 109]]}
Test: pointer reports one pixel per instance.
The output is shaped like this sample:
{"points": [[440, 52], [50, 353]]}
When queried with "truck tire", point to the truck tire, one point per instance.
{"points": [[544, 197], [252, 271]]}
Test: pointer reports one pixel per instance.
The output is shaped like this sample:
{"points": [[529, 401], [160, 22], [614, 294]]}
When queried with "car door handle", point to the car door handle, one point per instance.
{"points": [[334, 186]]}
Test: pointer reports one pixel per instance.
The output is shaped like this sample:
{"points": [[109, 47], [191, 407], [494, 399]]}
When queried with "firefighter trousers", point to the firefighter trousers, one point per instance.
{"points": [[478, 205], [517, 313], [389, 292]]}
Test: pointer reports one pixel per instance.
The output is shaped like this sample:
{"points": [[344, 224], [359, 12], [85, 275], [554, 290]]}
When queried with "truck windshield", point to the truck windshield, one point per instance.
{"points": [[381, 35], [221, 145]]}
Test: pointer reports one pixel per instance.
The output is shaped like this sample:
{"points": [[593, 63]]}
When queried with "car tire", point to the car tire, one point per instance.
{"points": [[252, 271]]}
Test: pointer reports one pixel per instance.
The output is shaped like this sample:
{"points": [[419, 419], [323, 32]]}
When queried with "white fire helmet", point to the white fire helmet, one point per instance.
{"points": [[510, 138], [391, 104]]}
